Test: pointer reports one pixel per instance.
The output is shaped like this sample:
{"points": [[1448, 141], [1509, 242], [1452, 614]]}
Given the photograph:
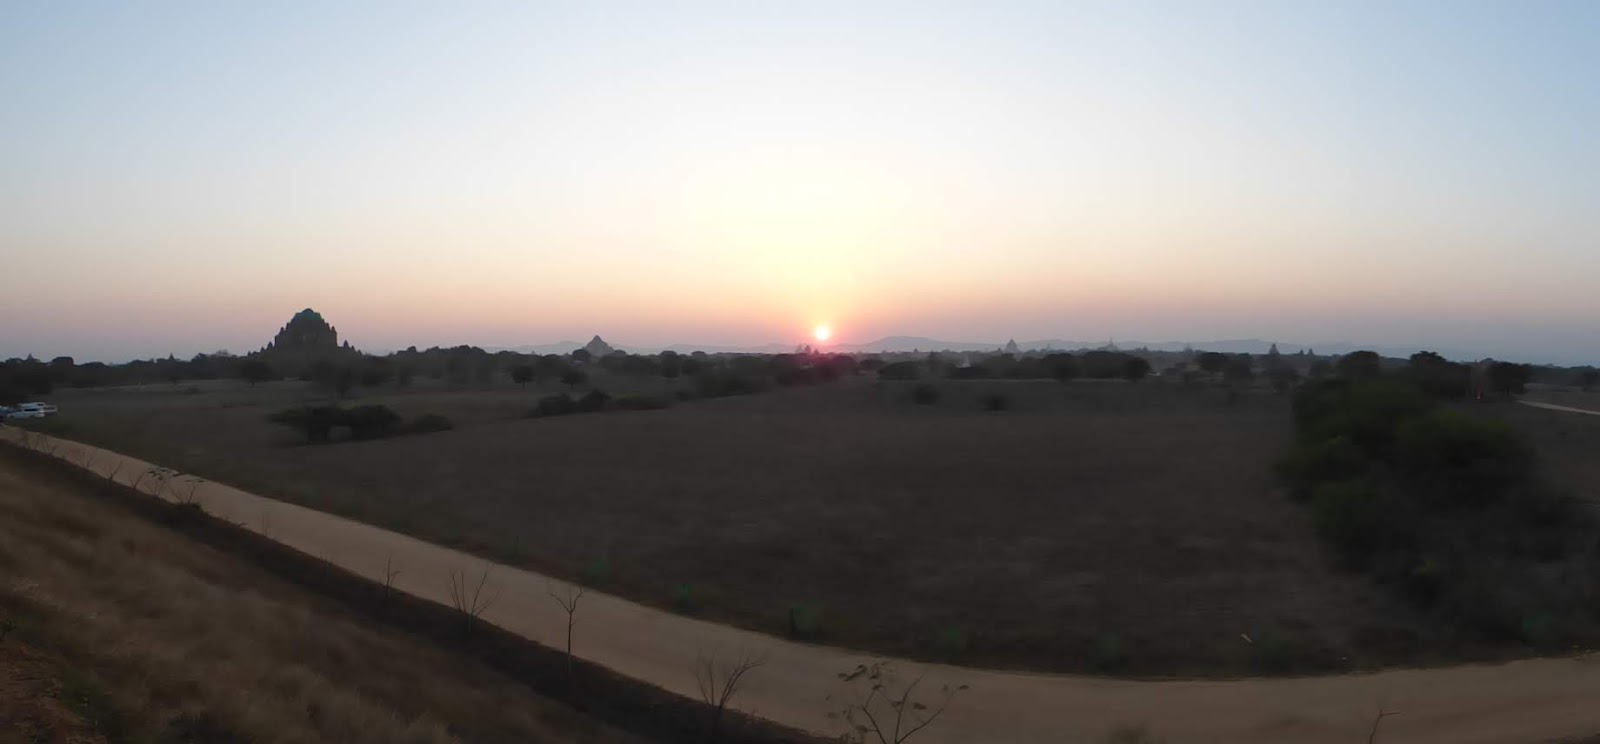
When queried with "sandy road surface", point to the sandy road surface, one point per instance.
{"points": [[1554, 407], [1522, 702]]}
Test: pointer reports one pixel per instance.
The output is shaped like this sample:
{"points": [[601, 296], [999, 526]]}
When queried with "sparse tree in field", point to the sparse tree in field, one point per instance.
{"points": [[1509, 378], [719, 681], [1135, 369], [255, 371], [881, 709], [1239, 369], [568, 599], [522, 374], [1360, 365], [572, 378], [470, 598], [1212, 361]]}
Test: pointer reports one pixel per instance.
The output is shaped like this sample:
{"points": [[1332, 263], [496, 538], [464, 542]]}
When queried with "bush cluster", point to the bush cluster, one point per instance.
{"points": [[594, 401], [317, 423], [1444, 506]]}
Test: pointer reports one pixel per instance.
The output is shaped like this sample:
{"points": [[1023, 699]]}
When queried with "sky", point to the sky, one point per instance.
{"points": [[183, 177]]}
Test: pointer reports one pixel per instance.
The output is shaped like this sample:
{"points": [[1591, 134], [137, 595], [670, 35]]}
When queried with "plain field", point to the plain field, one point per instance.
{"points": [[1130, 528]]}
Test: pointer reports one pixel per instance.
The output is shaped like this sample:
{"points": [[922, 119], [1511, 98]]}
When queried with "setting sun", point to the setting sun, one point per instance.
{"points": [[822, 333]]}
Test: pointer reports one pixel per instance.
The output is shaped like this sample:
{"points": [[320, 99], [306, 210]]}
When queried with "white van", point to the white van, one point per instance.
{"points": [[33, 410]]}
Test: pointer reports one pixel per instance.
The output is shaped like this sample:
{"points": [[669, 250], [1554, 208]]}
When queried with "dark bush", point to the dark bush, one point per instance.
{"points": [[315, 422], [1441, 505], [925, 394], [996, 402], [559, 404], [718, 384], [593, 401], [370, 421], [898, 371], [1453, 459], [637, 402], [431, 422]]}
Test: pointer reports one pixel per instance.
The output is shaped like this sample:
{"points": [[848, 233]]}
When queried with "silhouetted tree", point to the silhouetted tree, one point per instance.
{"points": [[1360, 365], [1239, 369], [522, 374], [1509, 378], [255, 371], [1588, 379], [1135, 369], [572, 378], [1212, 361]]}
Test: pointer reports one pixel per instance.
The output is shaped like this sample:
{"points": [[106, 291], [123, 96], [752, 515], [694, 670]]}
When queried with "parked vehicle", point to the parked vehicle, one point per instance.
{"points": [[32, 410]]}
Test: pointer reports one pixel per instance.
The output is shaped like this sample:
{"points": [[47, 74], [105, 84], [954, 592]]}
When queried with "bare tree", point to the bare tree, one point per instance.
{"points": [[389, 572], [1377, 720], [568, 600], [888, 712], [718, 682], [469, 598], [189, 497]]}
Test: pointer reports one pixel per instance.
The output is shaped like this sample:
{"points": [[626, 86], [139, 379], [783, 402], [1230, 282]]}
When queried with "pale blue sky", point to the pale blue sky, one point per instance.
{"points": [[178, 177]]}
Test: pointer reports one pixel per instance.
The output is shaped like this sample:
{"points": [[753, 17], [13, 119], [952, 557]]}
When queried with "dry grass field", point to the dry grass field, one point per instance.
{"points": [[117, 629], [1091, 526]]}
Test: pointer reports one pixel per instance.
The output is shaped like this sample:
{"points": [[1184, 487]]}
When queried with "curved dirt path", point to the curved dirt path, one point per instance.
{"points": [[1523, 702], [1554, 407]]}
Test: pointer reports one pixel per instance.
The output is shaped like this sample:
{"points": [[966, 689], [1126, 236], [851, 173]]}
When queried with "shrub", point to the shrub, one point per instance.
{"points": [[1454, 459], [593, 401], [996, 402], [1308, 464], [370, 422], [1443, 506], [636, 402], [715, 384], [431, 422], [559, 404], [315, 422], [925, 394], [898, 371]]}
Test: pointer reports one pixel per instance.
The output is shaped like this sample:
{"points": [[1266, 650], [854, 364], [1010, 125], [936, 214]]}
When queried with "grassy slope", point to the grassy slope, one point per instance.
{"points": [[1029, 538], [128, 631]]}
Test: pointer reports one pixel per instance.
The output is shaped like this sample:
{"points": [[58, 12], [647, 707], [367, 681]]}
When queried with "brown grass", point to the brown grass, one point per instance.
{"points": [[131, 632]]}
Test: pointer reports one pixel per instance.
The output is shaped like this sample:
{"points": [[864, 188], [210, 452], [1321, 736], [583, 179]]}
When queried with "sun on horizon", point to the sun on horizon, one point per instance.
{"points": [[822, 333]]}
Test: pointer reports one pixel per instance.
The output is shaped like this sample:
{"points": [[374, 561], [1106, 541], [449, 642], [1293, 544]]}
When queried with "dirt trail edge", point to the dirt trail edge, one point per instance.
{"points": [[1523, 702], [1554, 407]]}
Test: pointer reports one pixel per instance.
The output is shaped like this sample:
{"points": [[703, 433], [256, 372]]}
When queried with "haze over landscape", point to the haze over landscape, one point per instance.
{"points": [[1415, 175], [629, 372]]}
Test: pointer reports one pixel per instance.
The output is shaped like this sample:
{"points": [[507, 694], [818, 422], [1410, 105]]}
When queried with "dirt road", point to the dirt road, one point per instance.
{"points": [[1554, 407], [1522, 702]]}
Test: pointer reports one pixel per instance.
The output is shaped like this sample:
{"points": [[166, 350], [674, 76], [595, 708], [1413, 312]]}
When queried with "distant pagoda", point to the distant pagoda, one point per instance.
{"points": [[598, 348], [306, 333]]}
